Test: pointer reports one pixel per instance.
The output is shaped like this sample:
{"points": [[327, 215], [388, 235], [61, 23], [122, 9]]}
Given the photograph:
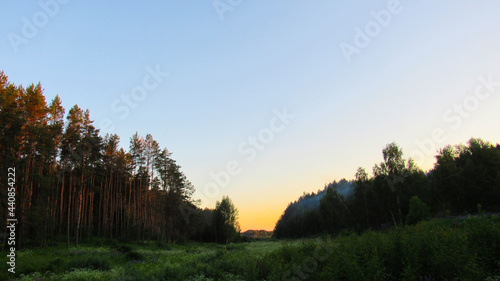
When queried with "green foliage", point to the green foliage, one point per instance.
{"points": [[468, 175], [465, 180], [134, 256], [483, 235], [433, 249], [480, 209], [333, 211], [90, 262], [76, 181], [225, 221], [124, 249], [418, 211], [314, 213], [448, 213]]}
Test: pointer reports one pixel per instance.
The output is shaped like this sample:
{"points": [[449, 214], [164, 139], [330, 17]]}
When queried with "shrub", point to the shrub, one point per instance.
{"points": [[483, 237], [83, 275], [132, 255], [113, 243], [124, 249], [418, 211], [96, 241], [163, 245], [55, 265], [233, 246], [92, 262]]}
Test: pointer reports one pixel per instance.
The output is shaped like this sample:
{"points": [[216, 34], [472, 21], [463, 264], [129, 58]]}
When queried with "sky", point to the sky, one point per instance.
{"points": [[265, 100]]}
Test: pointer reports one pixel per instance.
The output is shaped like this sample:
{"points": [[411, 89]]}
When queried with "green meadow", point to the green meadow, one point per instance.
{"points": [[439, 249]]}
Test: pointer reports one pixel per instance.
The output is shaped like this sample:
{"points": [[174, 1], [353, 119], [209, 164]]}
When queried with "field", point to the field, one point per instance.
{"points": [[439, 249]]}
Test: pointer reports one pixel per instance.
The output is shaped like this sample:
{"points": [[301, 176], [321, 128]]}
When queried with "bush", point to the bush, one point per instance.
{"points": [[124, 249], [113, 243], [92, 262], [430, 250], [163, 245], [55, 265], [418, 211], [484, 239], [233, 246], [135, 256], [96, 241]]}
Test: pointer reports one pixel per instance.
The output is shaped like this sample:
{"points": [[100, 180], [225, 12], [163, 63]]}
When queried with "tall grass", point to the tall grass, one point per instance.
{"points": [[431, 250]]}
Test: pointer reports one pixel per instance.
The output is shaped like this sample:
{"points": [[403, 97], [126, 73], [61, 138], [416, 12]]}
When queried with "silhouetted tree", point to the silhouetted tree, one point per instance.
{"points": [[225, 220]]}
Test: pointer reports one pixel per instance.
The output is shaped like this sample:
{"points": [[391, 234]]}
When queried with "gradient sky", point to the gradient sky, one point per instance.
{"points": [[229, 72]]}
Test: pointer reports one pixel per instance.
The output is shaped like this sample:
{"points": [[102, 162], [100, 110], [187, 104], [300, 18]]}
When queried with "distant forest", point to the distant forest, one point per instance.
{"points": [[464, 180], [73, 184]]}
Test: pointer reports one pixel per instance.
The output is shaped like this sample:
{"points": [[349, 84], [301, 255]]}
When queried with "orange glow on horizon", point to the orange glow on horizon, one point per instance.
{"points": [[259, 219]]}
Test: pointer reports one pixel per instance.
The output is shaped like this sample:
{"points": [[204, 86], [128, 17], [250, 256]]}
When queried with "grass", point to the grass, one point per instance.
{"points": [[437, 250]]}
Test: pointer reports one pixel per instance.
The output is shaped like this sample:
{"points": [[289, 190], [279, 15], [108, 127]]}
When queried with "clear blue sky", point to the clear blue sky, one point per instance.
{"points": [[230, 70]]}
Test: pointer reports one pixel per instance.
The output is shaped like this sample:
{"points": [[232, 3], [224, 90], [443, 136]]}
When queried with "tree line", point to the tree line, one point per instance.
{"points": [[465, 180], [73, 184]]}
